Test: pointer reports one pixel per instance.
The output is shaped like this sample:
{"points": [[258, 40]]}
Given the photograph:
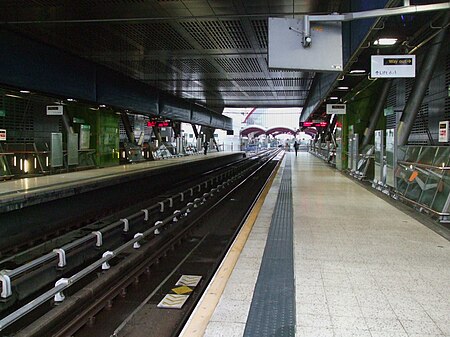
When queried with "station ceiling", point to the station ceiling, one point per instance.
{"points": [[213, 52]]}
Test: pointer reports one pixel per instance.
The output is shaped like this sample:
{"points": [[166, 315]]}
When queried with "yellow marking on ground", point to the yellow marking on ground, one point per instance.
{"points": [[205, 308], [182, 290]]}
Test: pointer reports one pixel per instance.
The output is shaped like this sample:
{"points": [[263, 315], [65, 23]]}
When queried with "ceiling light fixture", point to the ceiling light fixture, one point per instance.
{"points": [[334, 97], [385, 41], [13, 96], [25, 91], [102, 106], [342, 88], [357, 71], [71, 100]]}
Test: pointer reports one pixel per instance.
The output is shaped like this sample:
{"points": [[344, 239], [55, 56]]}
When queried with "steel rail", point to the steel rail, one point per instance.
{"points": [[71, 326], [60, 287], [6, 275]]}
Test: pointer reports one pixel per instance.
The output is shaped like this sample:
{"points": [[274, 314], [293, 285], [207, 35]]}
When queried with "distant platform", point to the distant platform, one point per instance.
{"points": [[15, 194]]}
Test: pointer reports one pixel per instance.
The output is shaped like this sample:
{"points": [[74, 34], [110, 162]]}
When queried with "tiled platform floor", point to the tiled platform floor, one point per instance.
{"points": [[362, 267]]}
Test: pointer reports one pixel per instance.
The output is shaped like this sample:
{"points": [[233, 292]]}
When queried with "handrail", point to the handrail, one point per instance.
{"points": [[444, 168], [423, 206], [61, 286], [65, 283], [6, 284]]}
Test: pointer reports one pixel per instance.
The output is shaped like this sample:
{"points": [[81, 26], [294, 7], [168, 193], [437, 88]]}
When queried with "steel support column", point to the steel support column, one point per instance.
{"points": [[368, 133], [421, 84], [157, 135], [67, 124], [176, 127], [194, 127], [128, 129]]}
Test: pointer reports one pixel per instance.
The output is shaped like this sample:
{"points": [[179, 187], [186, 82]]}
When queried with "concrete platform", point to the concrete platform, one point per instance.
{"points": [[15, 194], [362, 267]]}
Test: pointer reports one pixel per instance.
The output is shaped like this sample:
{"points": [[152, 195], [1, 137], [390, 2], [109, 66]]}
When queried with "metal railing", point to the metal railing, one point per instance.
{"points": [[62, 284]]}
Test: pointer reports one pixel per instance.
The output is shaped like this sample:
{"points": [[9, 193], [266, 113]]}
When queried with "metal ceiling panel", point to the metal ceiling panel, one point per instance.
{"points": [[209, 51]]}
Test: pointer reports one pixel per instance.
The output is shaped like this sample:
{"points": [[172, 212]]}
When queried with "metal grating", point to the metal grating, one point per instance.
{"points": [[239, 65], [194, 66], [292, 82], [59, 3], [197, 44], [409, 83], [261, 31], [391, 121], [155, 36], [19, 119], [391, 100], [227, 34], [233, 94], [292, 93], [420, 125], [255, 82], [272, 311]]}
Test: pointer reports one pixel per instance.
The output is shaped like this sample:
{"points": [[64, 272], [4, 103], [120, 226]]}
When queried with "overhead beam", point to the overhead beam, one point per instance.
{"points": [[31, 65], [374, 13]]}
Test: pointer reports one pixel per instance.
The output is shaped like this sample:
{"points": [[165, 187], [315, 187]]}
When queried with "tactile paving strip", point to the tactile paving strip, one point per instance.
{"points": [[272, 311]]}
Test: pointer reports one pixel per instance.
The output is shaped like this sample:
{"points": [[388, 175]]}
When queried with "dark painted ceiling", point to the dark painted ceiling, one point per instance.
{"points": [[209, 51]]}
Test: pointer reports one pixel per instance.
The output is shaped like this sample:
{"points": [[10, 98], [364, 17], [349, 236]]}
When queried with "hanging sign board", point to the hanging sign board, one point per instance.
{"points": [[159, 124], [55, 110], [2, 134], [313, 124], [393, 66], [443, 131], [285, 49], [336, 109]]}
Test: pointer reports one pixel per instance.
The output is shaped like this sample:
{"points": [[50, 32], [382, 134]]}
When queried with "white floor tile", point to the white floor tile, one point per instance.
{"points": [[223, 329]]}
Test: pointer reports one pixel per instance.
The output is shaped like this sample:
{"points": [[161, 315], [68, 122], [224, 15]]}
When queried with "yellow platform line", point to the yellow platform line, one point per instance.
{"points": [[199, 320]]}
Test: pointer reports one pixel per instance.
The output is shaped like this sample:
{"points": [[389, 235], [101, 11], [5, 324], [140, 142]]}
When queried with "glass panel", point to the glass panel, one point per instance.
{"points": [[442, 156], [430, 188], [57, 150], [72, 149], [339, 148], [416, 183], [412, 154], [401, 152], [403, 175], [443, 194], [390, 158], [427, 155]]}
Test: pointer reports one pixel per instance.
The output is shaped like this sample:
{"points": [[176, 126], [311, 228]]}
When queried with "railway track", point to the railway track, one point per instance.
{"points": [[182, 224]]}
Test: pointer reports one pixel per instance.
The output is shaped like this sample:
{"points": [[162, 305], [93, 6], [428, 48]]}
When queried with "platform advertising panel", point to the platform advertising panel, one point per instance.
{"points": [[350, 153], [72, 149], [339, 148], [391, 157], [56, 154], [355, 152], [2, 134], [379, 154], [85, 136]]}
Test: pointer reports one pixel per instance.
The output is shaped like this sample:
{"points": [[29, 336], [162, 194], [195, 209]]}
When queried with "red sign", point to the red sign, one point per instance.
{"points": [[158, 124], [314, 124]]}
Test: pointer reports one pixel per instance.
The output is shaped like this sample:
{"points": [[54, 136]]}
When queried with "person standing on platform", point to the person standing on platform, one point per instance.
{"points": [[296, 147], [205, 147]]}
